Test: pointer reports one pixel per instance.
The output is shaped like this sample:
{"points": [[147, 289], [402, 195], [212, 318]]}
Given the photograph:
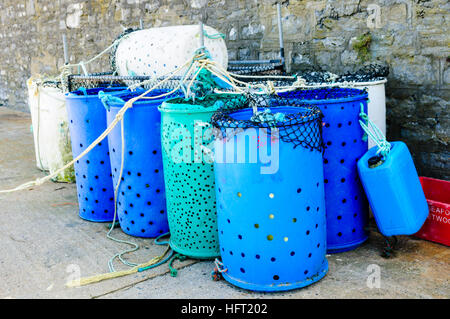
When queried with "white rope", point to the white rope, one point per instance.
{"points": [[118, 118]]}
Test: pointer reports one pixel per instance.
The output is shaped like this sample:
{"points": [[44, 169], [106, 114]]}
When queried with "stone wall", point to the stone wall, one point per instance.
{"points": [[411, 36]]}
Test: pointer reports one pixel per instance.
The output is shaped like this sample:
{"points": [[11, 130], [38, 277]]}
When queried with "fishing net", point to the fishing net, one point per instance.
{"points": [[257, 69], [366, 73], [301, 126], [108, 80]]}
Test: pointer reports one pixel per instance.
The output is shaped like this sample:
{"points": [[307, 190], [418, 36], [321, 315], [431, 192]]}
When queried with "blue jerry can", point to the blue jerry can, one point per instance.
{"points": [[393, 189]]}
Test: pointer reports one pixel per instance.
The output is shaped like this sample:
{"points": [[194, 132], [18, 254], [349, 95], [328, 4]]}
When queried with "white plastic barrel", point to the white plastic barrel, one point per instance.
{"points": [[50, 129], [377, 103], [157, 51]]}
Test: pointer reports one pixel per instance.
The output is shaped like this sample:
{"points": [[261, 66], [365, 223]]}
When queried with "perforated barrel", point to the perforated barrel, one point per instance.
{"points": [[376, 106], [157, 51], [346, 203], [50, 128], [271, 205], [141, 195], [87, 121], [189, 176]]}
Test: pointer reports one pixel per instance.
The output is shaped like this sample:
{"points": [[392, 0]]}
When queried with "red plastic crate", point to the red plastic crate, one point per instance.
{"points": [[437, 225]]}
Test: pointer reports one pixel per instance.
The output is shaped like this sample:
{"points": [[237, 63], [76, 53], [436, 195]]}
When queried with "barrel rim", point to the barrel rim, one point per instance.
{"points": [[197, 105], [143, 102], [363, 95], [115, 91]]}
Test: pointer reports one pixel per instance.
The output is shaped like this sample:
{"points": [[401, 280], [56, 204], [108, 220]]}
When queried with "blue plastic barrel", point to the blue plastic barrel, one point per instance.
{"points": [[87, 121], [270, 203], [346, 203], [394, 191], [141, 200]]}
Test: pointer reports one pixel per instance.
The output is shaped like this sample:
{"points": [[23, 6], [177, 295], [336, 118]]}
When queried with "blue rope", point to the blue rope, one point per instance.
{"points": [[108, 98], [384, 147], [214, 36], [83, 90], [157, 242], [267, 116]]}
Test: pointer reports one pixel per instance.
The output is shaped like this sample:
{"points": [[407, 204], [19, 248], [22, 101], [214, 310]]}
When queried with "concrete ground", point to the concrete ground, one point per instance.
{"points": [[44, 244]]}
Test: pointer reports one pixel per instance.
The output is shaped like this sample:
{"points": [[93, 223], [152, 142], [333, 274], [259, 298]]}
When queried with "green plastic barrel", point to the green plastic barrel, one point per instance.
{"points": [[187, 138]]}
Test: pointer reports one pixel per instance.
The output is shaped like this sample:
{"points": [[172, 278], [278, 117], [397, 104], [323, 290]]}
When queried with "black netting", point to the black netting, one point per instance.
{"points": [[107, 80], [53, 83], [296, 123], [366, 73], [257, 69]]}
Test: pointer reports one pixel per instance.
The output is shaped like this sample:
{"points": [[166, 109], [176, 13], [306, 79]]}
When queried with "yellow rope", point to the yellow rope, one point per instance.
{"points": [[111, 275]]}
